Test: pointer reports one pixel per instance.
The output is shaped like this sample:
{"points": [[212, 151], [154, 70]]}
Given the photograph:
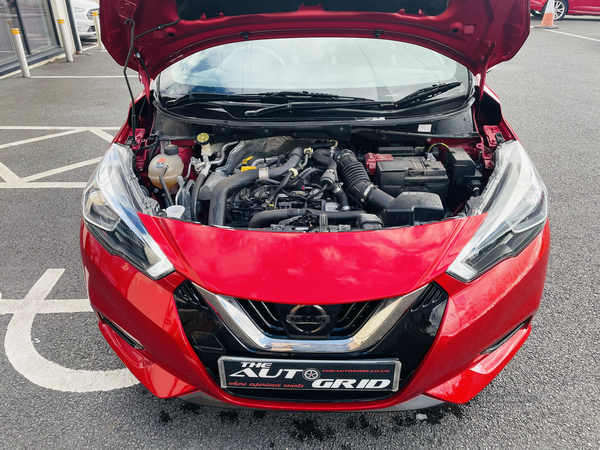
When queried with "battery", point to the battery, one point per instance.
{"points": [[412, 174]]}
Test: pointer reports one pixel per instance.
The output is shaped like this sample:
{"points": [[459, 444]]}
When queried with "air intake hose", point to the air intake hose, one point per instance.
{"points": [[356, 181], [218, 198], [329, 178]]}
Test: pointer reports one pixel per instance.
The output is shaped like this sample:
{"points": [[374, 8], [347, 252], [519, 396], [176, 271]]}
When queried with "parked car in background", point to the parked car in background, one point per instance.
{"points": [[82, 10], [570, 7]]}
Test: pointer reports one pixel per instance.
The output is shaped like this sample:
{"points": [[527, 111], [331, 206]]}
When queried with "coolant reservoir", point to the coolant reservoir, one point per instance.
{"points": [[171, 160]]}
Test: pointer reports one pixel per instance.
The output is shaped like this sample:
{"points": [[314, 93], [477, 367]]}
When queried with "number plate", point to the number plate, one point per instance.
{"points": [[362, 375]]}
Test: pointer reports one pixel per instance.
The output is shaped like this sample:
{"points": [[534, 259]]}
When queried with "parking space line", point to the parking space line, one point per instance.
{"points": [[574, 35], [10, 306], [45, 185], [48, 173], [12, 179], [100, 133], [41, 138], [26, 360]]}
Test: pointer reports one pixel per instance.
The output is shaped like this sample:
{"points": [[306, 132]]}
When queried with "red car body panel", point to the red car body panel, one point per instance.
{"points": [[340, 267], [477, 33], [476, 315], [470, 382]]}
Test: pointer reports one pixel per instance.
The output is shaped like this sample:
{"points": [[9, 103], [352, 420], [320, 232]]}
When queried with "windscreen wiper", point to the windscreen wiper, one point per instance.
{"points": [[209, 97], [426, 93], [409, 100], [307, 95], [261, 97]]}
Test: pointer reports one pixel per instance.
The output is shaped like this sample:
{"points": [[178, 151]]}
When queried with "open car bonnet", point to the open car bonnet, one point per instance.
{"points": [[476, 33]]}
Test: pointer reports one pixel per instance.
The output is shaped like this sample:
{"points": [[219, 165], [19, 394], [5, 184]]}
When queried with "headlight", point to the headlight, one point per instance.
{"points": [[78, 9], [515, 200], [111, 203]]}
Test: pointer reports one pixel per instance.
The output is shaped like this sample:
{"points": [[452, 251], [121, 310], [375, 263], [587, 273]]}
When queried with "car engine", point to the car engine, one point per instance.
{"points": [[286, 184]]}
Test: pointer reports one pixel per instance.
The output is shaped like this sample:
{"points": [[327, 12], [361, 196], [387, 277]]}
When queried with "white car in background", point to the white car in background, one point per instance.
{"points": [[82, 11]]}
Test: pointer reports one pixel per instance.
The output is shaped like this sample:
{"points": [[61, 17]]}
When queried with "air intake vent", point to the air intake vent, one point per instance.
{"points": [[187, 296], [432, 295], [445, 108]]}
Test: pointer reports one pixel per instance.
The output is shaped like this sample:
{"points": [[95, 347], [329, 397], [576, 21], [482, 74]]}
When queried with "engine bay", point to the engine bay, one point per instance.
{"points": [[313, 185]]}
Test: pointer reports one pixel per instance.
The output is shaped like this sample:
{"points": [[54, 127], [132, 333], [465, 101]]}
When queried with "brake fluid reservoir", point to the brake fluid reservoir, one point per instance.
{"points": [[170, 160]]}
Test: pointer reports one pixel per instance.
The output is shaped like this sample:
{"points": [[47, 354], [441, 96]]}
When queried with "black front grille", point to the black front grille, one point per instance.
{"points": [[409, 341], [265, 316], [351, 317]]}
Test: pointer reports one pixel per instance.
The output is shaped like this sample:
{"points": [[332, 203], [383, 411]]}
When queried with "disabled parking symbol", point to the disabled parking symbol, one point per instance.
{"points": [[28, 362]]}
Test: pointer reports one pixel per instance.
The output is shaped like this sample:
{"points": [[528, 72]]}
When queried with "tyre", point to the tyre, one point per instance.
{"points": [[535, 13], [561, 7]]}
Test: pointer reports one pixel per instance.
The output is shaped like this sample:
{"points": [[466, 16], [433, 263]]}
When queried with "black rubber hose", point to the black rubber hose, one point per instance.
{"points": [[342, 199], [266, 218], [322, 158], [236, 156], [328, 179], [279, 188], [194, 200], [161, 177], [218, 198], [357, 182]]}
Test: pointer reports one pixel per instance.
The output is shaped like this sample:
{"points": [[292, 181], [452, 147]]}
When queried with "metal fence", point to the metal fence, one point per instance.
{"points": [[34, 19]]}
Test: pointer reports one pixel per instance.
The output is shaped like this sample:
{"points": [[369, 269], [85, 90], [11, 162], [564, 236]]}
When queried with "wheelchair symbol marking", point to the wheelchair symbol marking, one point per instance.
{"points": [[28, 362]]}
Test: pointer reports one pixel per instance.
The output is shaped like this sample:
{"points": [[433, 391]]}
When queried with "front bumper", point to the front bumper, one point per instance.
{"points": [[85, 26], [477, 316]]}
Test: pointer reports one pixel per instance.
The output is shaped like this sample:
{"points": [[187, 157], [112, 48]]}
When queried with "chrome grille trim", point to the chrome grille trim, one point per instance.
{"points": [[379, 324]]}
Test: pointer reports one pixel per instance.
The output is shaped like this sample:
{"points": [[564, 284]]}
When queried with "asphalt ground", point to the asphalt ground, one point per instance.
{"points": [[545, 398]]}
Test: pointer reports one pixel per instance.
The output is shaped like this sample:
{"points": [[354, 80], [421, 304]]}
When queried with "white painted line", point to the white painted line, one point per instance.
{"points": [[103, 134], [48, 173], [40, 138], [42, 288], [80, 76], [47, 306], [28, 362], [574, 35], [20, 127], [45, 185], [11, 178]]}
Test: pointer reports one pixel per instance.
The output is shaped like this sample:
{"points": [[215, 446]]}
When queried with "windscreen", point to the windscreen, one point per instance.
{"points": [[377, 69]]}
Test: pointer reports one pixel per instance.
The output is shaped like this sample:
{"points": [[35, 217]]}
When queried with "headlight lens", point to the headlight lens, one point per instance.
{"points": [[111, 203], [515, 200], [77, 9]]}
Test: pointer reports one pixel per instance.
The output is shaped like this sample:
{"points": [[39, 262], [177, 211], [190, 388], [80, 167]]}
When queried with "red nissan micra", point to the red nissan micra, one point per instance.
{"points": [[315, 205]]}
